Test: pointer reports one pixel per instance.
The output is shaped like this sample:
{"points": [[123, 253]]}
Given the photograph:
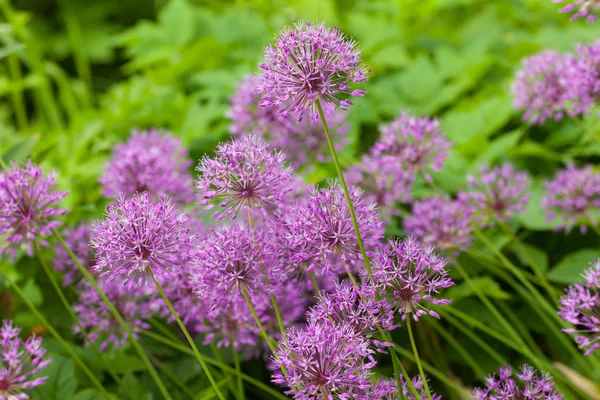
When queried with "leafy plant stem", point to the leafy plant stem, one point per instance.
{"points": [[417, 359], [240, 382]]}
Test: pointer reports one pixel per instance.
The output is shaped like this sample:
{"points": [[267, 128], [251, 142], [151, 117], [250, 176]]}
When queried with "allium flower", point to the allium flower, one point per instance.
{"points": [[498, 194], [408, 275], [441, 222], [416, 141], [324, 360], [581, 306], [582, 72], [321, 226], [138, 234], [152, 162], [384, 180], [539, 88], [78, 240], [528, 385], [583, 8], [574, 197], [244, 173], [27, 207], [21, 360], [387, 389], [136, 305], [310, 62]]}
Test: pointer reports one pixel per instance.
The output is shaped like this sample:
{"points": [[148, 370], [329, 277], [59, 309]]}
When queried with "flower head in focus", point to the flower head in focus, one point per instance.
{"points": [[527, 384], [245, 173], [138, 234], [581, 307], [583, 9], [21, 361], [28, 203], [310, 63], [78, 240]]}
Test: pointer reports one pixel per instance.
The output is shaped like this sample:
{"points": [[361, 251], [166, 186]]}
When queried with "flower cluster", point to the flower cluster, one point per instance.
{"points": [[574, 197], [77, 239], [21, 361], [530, 385], [28, 206], [583, 9], [581, 307], [152, 162]]}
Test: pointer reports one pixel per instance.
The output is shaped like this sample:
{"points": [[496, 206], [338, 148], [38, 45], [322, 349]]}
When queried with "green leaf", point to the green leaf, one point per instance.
{"points": [[570, 268], [485, 284], [61, 383], [122, 362], [527, 252], [89, 394], [497, 149], [21, 150], [135, 387], [420, 81], [33, 292], [533, 217], [177, 20]]}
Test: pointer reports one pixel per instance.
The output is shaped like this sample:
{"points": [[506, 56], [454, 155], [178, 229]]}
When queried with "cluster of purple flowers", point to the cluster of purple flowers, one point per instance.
{"points": [[530, 385], [582, 9]]}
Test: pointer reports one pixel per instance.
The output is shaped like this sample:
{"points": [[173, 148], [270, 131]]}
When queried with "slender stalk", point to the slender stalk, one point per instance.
{"points": [[58, 338], [311, 275], [344, 187], [17, 93], [118, 317], [187, 336], [165, 371], [236, 363], [417, 359], [465, 355]]}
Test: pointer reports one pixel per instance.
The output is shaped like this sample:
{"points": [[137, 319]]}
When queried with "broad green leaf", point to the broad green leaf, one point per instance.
{"points": [[484, 284], [177, 20], [61, 383], [528, 253], [570, 268], [33, 292]]}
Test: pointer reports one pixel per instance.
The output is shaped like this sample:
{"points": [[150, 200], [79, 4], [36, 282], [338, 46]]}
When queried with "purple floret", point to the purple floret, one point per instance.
{"points": [[528, 384], [581, 9]]}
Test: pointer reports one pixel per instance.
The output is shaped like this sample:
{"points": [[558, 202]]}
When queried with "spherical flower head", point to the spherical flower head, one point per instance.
{"points": [[497, 194], [78, 240], [540, 86], [441, 222], [409, 275], [245, 173], [528, 384], [321, 227], [310, 63], [136, 305], [587, 9], [139, 235], [28, 207], [21, 361], [324, 359], [573, 196], [153, 162], [582, 72], [581, 307], [384, 181], [387, 389]]}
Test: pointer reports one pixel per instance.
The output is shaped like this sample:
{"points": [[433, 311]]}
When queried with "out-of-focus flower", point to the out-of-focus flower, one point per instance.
{"points": [[529, 385], [387, 389], [137, 234], [152, 162], [581, 307], [245, 173], [28, 206], [583, 9], [574, 197], [582, 72], [310, 62], [78, 240], [21, 360]]}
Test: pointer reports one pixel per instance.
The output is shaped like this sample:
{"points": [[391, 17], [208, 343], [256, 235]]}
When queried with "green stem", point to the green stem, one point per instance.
{"points": [[236, 363], [344, 187], [187, 335], [311, 275], [120, 320], [165, 371], [17, 94], [465, 355], [417, 359]]}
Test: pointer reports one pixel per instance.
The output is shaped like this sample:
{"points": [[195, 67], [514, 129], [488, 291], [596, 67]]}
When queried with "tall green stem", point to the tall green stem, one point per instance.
{"points": [[236, 363], [17, 93], [311, 275], [417, 359]]}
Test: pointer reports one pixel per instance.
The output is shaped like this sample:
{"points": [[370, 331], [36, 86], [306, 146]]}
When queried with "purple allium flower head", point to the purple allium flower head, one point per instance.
{"points": [[539, 88], [78, 240], [137, 234], [528, 384], [582, 8], [244, 173], [136, 305], [27, 207], [310, 62], [321, 226], [152, 162], [384, 180], [574, 197], [408, 275], [323, 360], [497, 194], [582, 72], [417, 142], [441, 222], [581, 306], [21, 360], [387, 389]]}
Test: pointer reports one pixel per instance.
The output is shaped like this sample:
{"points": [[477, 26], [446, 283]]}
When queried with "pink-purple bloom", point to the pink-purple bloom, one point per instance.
{"points": [[310, 63], [28, 207], [582, 72], [527, 384], [581, 307], [153, 162], [573, 196], [138, 235], [78, 240], [22, 360], [387, 389], [244, 174], [587, 9], [409, 275]]}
